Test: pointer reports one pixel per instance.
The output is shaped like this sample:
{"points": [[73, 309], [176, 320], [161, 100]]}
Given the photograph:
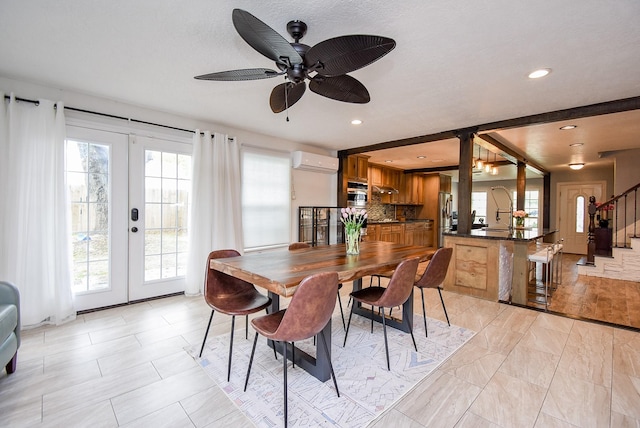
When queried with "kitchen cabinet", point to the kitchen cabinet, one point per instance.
{"points": [[414, 189], [445, 183], [357, 167], [392, 233], [429, 240], [410, 233], [414, 233], [419, 233], [373, 233], [375, 175]]}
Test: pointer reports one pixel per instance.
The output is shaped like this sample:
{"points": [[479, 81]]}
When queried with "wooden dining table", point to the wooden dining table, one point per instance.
{"points": [[280, 272]]}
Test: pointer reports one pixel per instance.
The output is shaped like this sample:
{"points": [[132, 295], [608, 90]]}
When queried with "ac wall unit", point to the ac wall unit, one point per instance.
{"points": [[313, 162]]}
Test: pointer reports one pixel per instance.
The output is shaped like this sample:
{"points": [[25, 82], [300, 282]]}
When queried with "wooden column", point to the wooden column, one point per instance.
{"points": [[465, 180], [546, 201], [521, 185]]}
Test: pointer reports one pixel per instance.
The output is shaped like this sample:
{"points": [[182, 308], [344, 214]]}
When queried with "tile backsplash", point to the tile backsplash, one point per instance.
{"points": [[378, 211]]}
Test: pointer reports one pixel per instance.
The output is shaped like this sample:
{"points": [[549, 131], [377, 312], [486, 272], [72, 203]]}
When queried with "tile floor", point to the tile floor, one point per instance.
{"points": [[127, 367]]}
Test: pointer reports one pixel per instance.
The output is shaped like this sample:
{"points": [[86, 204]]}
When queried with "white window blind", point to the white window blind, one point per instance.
{"points": [[266, 198]]}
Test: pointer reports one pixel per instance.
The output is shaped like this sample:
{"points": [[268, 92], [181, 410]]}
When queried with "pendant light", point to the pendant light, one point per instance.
{"points": [[494, 168], [479, 163], [487, 166]]}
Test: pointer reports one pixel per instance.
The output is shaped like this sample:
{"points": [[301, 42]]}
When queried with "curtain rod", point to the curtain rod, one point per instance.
{"points": [[112, 116]]}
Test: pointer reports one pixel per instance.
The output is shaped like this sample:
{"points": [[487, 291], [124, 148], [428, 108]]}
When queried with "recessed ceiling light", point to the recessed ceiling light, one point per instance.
{"points": [[421, 157], [539, 73], [576, 166], [356, 122], [388, 161], [576, 144], [564, 128]]}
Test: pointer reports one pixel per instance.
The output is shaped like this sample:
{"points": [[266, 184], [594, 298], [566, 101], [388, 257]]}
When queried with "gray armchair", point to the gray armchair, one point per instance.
{"points": [[9, 325]]}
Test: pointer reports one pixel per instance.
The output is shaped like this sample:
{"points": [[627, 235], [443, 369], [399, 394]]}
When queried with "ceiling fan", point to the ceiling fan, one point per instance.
{"points": [[325, 65]]}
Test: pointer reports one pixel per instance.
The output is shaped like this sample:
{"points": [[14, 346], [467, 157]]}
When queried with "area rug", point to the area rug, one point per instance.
{"points": [[366, 387]]}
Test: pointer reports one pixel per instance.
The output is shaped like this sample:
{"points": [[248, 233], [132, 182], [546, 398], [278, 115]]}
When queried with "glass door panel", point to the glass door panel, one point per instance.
{"points": [[96, 173]]}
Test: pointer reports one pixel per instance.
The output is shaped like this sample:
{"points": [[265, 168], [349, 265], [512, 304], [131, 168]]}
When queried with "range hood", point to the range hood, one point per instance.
{"points": [[384, 189]]}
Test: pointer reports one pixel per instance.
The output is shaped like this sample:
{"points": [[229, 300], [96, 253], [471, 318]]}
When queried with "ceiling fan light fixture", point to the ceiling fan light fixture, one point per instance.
{"points": [[541, 72], [576, 166]]}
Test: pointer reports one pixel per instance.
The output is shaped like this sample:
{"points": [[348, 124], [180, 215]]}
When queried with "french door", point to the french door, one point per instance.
{"points": [[129, 200], [159, 186]]}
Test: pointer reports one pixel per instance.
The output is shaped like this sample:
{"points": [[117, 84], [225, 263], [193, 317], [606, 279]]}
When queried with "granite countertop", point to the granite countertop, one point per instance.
{"points": [[504, 234]]}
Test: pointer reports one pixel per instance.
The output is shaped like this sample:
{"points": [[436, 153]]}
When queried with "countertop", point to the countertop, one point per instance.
{"points": [[515, 235], [398, 221]]}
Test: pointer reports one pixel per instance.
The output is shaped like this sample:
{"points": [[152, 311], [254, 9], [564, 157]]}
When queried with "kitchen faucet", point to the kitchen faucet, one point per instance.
{"points": [[498, 211]]}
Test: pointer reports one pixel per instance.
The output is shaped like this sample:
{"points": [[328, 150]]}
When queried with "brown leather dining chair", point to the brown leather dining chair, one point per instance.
{"points": [[302, 245], [231, 296], [433, 277], [395, 294], [308, 313]]}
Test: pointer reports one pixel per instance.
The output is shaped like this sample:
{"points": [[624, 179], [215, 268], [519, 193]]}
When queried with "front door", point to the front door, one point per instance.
{"points": [[573, 216]]}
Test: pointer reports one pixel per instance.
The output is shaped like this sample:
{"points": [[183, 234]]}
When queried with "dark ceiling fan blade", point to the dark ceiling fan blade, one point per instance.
{"points": [[263, 38], [294, 92], [244, 74], [345, 54], [341, 88]]}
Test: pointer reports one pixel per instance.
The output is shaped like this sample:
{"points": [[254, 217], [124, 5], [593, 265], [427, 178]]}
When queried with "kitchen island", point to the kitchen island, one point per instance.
{"points": [[491, 263]]}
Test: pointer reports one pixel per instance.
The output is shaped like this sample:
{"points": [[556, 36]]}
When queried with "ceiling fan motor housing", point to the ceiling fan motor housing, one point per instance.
{"points": [[297, 29]]}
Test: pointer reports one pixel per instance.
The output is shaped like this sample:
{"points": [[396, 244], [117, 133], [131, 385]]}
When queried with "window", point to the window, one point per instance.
{"points": [[479, 205], [88, 181], [531, 207], [266, 199], [167, 186], [580, 214]]}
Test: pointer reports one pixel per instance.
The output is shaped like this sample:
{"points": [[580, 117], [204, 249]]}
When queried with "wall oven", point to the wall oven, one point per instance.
{"points": [[357, 194]]}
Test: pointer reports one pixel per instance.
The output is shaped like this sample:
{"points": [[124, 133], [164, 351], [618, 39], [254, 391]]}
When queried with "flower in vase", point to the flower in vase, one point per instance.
{"points": [[353, 219], [520, 214]]}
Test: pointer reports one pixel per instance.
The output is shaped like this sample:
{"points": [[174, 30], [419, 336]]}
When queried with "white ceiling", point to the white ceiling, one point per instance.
{"points": [[456, 64]]}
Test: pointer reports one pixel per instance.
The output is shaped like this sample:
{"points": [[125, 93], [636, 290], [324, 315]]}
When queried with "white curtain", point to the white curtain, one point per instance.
{"points": [[215, 222], [35, 251]]}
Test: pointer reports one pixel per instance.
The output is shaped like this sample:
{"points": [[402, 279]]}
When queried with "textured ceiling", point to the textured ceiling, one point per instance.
{"points": [[456, 64]]}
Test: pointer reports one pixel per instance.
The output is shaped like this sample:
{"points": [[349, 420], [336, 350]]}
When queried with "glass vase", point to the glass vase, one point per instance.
{"points": [[353, 241], [519, 222]]}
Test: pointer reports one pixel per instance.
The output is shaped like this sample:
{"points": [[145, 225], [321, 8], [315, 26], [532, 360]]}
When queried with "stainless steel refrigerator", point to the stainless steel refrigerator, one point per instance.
{"points": [[445, 203]]}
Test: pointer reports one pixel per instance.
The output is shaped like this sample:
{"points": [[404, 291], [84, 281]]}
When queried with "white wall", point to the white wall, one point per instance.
{"points": [[310, 188]]}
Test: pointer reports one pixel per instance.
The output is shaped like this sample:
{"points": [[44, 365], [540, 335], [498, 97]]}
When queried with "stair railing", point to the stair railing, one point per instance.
{"points": [[620, 205]]}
